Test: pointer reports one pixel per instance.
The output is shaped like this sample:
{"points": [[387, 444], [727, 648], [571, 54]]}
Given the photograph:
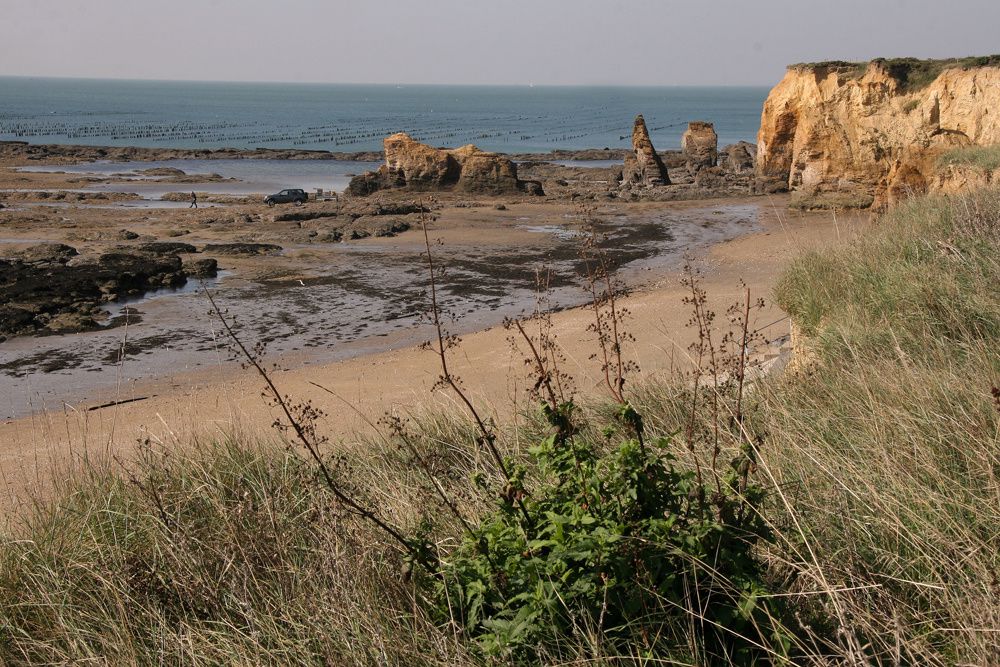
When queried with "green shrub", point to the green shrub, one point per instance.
{"points": [[624, 546]]}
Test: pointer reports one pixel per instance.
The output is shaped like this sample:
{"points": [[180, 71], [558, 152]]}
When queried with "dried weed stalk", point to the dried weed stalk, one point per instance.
{"points": [[300, 420], [445, 341]]}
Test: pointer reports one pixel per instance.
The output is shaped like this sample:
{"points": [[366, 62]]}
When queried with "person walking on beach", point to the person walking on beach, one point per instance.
{"points": [[194, 200]]}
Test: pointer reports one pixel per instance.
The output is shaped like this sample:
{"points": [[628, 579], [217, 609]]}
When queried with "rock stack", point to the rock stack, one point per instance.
{"points": [[644, 166], [700, 146]]}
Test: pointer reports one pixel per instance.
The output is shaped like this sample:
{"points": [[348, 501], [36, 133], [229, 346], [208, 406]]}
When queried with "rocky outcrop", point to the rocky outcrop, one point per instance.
{"points": [[740, 157], [41, 290], [373, 181], [242, 249], [47, 253], [643, 167], [62, 153], [848, 134], [700, 145], [202, 268], [167, 248], [485, 172], [416, 166]]}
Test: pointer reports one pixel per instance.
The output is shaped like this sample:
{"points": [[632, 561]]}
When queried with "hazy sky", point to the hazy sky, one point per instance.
{"points": [[644, 42]]}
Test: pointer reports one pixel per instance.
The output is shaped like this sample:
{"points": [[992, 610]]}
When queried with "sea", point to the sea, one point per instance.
{"points": [[352, 118]]}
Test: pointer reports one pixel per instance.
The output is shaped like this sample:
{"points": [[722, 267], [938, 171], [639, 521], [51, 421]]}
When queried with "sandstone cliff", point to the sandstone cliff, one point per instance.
{"points": [[416, 166], [848, 134]]}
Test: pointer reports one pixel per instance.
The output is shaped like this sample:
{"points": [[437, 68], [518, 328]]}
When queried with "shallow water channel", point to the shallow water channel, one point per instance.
{"points": [[244, 177]]}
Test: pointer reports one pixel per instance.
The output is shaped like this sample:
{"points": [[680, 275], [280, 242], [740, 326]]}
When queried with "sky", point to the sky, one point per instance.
{"points": [[542, 42]]}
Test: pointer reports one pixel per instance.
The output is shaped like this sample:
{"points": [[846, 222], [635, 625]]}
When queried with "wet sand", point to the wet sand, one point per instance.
{"points": [[321, 302]]}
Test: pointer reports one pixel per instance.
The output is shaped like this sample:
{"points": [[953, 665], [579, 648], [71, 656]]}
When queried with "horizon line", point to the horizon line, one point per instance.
{"points": [[377, 83]]}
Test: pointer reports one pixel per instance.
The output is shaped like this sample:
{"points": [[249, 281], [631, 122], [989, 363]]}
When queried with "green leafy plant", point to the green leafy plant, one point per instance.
{"points": [[625, 545]]}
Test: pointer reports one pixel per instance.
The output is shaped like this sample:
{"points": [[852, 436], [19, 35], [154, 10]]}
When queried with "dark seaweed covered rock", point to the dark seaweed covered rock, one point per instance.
{"points": [[54, 296], [242, 249], [397, 208], [202, 268], [167, 248], [47, 253], [533, 188], [136, 273]]}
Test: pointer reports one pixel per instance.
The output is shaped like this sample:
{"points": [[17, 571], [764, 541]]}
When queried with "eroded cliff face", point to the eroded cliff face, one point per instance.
{"points": [[840, 135]]}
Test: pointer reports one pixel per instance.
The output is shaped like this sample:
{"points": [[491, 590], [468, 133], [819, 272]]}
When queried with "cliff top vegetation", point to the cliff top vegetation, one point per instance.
{"points": [[912, 73]]}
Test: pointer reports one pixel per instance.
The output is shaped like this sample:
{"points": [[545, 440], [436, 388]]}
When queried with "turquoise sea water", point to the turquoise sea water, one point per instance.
{"points": [[357, 117]]}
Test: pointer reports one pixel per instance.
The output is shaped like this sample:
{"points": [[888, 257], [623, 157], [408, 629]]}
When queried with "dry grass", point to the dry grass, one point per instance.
{"points": [[223, 554], [983, 158], [888, 447]]}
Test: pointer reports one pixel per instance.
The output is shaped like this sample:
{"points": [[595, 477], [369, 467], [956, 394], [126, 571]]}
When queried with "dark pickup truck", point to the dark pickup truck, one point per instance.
{"points": [[287, 196]]}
